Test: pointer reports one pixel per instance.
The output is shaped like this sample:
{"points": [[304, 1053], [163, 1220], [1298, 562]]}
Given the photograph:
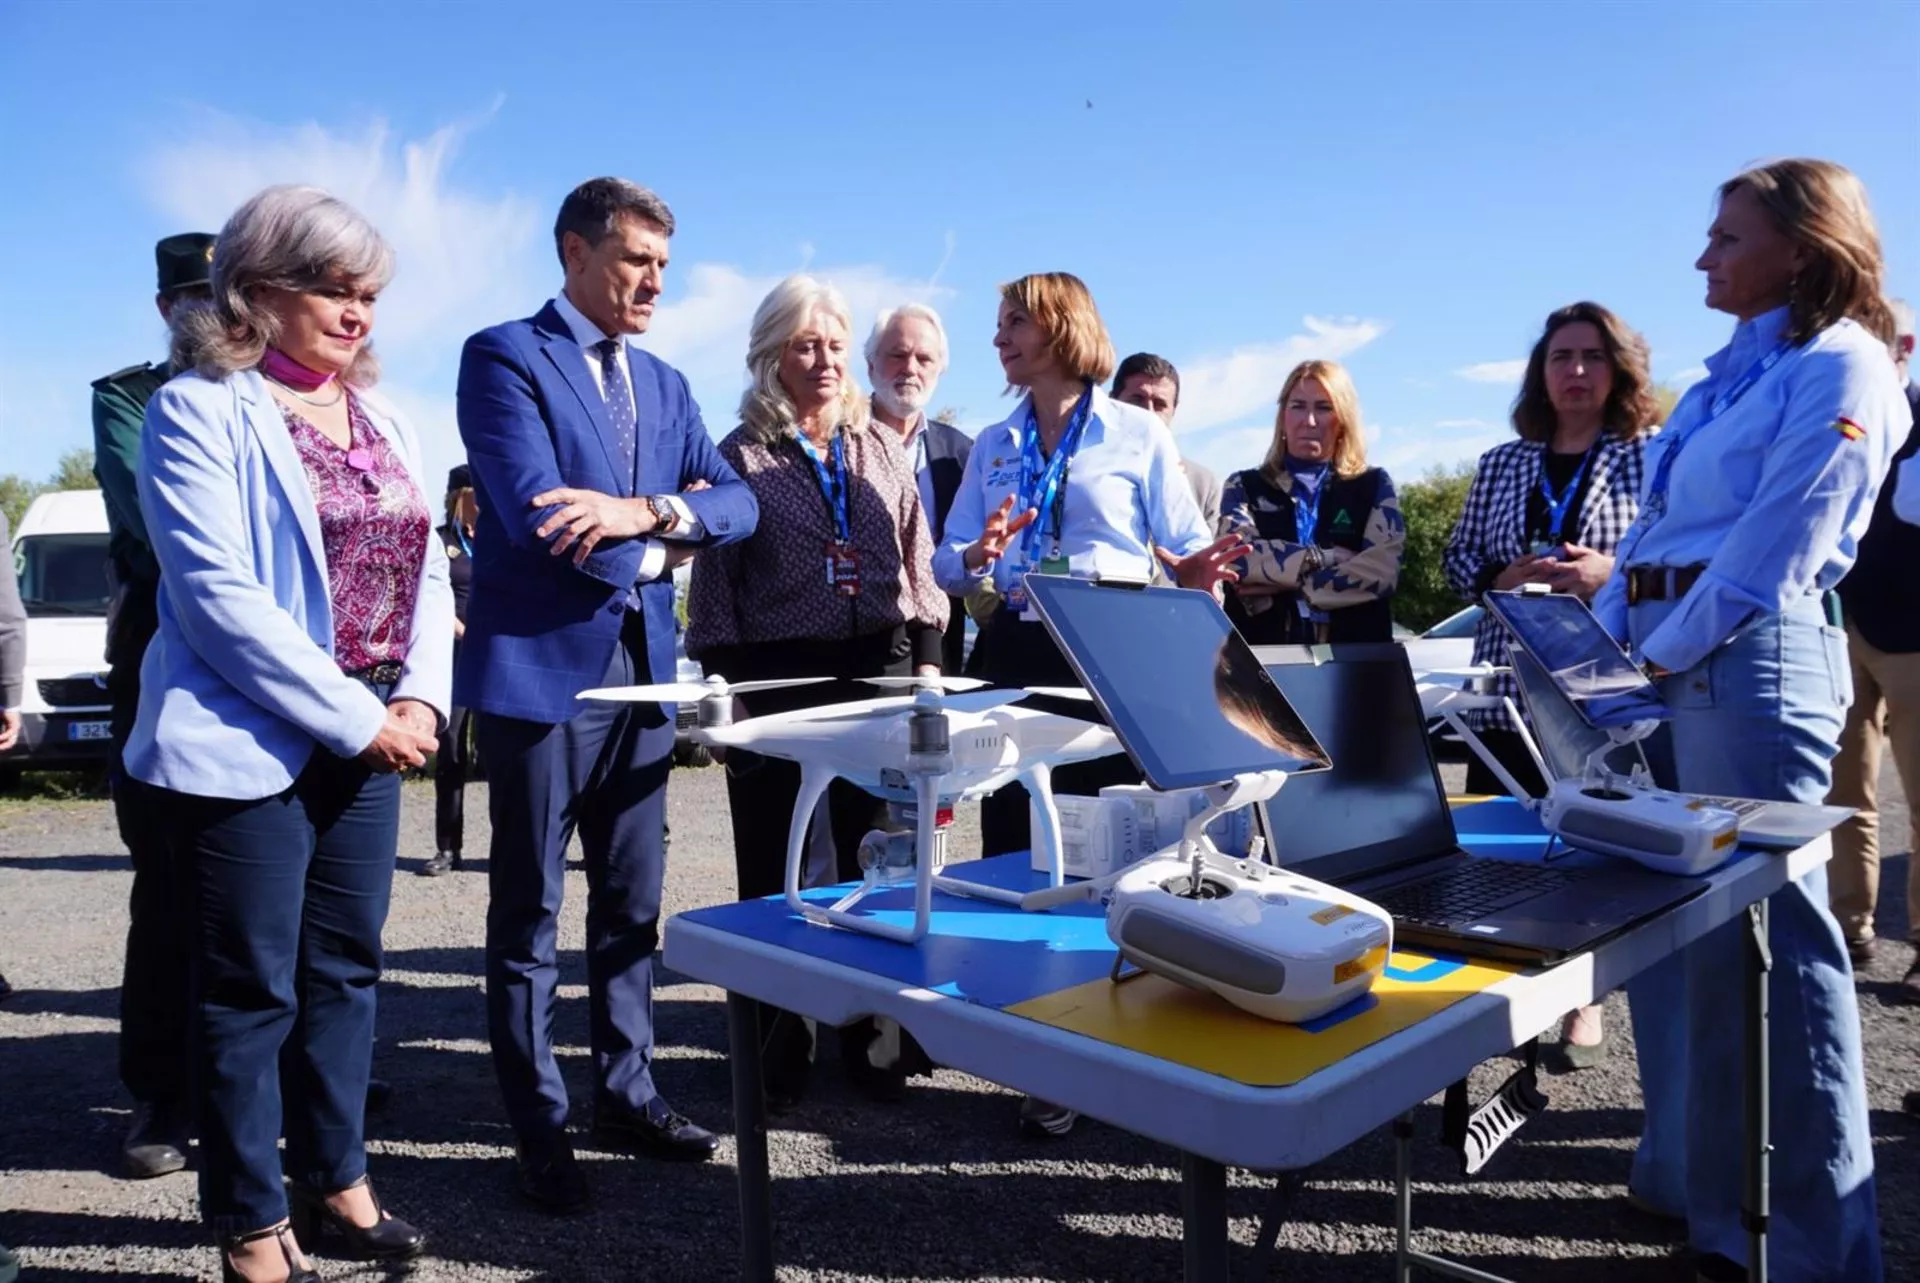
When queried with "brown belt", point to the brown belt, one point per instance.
{"points": [[1660, 583]]}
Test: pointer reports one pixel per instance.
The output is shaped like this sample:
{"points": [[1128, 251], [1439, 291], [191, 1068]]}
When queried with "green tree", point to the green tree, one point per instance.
{"points": [[1431, 506], [73, 472], [16, 492]]}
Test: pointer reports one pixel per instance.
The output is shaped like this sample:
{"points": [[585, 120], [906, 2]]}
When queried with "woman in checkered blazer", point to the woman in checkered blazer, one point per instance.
{"points": [[1549, 507]]}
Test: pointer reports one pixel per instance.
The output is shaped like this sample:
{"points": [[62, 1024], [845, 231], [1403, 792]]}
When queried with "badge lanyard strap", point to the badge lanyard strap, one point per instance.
{"points": [[1663, 471], [1557, 505], [1044, 486], [460, 533], [833, 482]]}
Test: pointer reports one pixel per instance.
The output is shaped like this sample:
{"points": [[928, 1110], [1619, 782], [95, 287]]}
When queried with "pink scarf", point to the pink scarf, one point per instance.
{"points": [[281, 368]]}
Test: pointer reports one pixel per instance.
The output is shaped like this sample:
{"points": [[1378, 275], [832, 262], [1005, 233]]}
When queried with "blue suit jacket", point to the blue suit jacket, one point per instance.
{"points": [[539, 629], [239, 683]]}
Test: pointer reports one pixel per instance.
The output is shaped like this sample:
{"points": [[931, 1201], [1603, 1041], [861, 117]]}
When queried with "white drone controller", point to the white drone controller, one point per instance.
{"points": [[1276, 944], [1628, 817]]}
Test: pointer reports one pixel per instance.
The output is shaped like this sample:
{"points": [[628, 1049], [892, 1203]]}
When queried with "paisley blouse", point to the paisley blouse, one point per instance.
{"points": [[374, 526]]}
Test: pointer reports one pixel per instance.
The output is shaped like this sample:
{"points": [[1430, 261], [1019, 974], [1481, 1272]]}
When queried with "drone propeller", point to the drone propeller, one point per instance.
{"points": [[983, 701], [676, 692], [949, 684], [1061, 692]]}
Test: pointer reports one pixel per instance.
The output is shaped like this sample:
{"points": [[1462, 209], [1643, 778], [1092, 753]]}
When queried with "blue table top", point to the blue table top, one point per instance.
{"points": [[995, 954]]}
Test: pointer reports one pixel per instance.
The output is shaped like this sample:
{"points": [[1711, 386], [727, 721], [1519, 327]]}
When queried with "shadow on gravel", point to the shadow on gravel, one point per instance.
{"points": [[103, 1004], [88, 1229], [68, 863]]}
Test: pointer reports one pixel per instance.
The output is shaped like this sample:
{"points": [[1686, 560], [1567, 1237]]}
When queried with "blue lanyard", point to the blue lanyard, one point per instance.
{"points": [[1557, 504], [461, 535], [1306, 511], [833, 481], [1663, 471], [1043, 483]]}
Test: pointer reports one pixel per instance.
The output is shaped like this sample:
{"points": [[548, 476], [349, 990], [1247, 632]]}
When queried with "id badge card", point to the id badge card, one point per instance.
{"points": [[1055, 565], [843, 569]]}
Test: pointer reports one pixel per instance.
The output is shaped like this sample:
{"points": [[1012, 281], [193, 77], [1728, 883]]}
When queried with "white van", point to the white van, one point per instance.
{"points": [[60, 557]]}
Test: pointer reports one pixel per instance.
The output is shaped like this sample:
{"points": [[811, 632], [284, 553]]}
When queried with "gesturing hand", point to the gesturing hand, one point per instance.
{"points": [[1524, 569], [1580, 571], [993, 541], [1207, 567], [586, 517], [399, 744]]}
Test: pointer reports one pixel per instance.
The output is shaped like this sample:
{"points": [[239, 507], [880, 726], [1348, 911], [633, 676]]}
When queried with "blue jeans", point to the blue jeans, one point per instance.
{"points": [[291, 893], [1759, 718]]}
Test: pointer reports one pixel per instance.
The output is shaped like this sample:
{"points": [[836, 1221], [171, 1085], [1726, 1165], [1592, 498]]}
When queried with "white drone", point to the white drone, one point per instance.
{"points": [[921, 753]]}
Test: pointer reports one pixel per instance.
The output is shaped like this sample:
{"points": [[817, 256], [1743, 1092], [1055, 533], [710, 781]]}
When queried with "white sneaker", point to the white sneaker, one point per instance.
{"points": [[1040, 1118]]}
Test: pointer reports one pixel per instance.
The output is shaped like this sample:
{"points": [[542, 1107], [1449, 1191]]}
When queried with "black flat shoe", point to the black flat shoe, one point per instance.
{"points": [[387, 1239], [442, 862], [656, 1131], [156, 1142], [549, 1175], [283, 1233]]}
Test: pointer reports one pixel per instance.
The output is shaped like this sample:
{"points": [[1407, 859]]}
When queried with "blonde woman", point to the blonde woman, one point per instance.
{"points": [[1325, 530], [835, 582]]}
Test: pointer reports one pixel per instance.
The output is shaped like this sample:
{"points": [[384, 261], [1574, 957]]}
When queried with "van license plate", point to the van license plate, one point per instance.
{"points": [[89, 730]]}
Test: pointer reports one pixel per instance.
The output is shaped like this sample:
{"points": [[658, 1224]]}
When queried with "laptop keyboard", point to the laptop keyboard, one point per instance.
{"points": [[1741, 806], [1471, 890]]}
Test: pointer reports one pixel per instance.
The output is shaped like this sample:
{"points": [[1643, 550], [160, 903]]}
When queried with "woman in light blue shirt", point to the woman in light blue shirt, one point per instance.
{"points": [[1757, 494], [1071, 483]]}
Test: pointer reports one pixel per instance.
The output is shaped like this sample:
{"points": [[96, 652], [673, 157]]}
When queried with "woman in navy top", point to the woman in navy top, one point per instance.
{"points": [[1758, 492]]}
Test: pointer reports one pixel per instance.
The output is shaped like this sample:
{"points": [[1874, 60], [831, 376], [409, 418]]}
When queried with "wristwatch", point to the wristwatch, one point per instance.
{"points": [[1314, 558], [665, 515]]}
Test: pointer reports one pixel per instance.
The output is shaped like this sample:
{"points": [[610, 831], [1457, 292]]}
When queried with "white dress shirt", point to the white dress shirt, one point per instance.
{"points": [[588, 335], [915, 444]]}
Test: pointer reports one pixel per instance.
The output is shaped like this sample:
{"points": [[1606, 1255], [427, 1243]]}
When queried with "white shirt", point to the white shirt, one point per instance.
{"points": [[1125, 494], [588, 335], [915, 444]]}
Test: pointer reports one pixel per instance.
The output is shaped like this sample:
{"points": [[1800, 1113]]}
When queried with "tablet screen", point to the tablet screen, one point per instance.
{"points": [[1581, 659], [1179, 686]]}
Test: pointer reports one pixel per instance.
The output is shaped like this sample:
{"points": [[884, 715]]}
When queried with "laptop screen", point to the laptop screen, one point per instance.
{"points": [[1382, 804], [1178, 685], [1579, 657], [1565, 739]]}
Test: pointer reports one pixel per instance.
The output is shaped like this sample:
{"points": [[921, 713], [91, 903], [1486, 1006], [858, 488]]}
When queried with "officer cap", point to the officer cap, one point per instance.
{"points": [[460, 478], [185, 260]]}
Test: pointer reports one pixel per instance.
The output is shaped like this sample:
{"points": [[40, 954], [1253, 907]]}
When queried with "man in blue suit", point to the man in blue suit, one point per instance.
{"points": [[596, 478]]}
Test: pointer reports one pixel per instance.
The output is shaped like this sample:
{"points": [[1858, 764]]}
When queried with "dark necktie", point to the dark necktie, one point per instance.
{"points": [[619, 405]]}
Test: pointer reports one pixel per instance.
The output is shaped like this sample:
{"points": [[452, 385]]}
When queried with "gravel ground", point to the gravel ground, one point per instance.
{"points": [[937, 1187]]}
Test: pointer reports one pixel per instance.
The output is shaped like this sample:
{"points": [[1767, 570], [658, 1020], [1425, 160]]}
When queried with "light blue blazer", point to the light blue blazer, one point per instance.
{"points": [[239, 685]]}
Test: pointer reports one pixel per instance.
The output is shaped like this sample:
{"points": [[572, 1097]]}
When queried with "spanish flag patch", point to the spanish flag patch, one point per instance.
{"points": [[1849, 429]]}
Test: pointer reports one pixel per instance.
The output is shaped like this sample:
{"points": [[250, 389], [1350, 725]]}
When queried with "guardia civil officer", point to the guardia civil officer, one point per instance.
{"points": [[153, 991], [1071, 483], [1757, 495]]}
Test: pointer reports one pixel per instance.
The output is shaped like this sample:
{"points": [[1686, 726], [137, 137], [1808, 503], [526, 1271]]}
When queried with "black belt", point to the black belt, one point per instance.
{"points": [[1660, 583], [377, 675]]}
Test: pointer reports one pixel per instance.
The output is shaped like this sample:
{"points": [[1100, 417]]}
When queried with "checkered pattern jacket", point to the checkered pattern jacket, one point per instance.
{"points": [[1492, 531]]}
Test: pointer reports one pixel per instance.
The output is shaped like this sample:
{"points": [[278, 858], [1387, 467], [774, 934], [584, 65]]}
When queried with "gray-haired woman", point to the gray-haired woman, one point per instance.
{"points": [[303, 658], [837, 581]]}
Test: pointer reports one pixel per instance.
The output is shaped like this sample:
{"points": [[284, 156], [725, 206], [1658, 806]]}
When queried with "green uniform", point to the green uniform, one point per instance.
{"points": [[119, 410]]}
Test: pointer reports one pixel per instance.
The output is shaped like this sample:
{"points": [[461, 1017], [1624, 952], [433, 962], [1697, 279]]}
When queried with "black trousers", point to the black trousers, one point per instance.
{"points": [[154, 1004], [451, 763], [1011, 651], [761, 792]]}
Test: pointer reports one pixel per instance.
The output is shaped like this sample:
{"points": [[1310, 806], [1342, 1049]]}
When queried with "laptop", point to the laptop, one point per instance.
{"points": [[1377, 824], [1566, 742], [1575, 682]]}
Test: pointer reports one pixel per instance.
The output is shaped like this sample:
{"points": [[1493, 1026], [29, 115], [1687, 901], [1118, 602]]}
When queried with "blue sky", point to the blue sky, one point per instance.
{"points": [[1407, 187]]}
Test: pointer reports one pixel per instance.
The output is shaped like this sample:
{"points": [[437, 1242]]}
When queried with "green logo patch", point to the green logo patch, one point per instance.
{"points": [[1341, 518]]}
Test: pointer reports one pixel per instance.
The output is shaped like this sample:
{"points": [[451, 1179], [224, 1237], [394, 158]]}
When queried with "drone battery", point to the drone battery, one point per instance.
{"points": [[1097, 836], [1163, 817]]}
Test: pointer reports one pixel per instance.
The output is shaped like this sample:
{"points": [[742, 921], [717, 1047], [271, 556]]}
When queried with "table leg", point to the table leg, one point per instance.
{"points": [[1203, 1207], [750, 1141], [1755, 1206], [1403, 1198]]}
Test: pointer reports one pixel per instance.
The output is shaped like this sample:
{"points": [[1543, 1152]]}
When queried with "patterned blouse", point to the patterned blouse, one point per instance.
{"points": [[374, 526], [772, 586]]}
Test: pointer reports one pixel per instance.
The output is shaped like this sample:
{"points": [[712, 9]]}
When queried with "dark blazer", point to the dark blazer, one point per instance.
{"points": [[947, 451], [539, 629]]}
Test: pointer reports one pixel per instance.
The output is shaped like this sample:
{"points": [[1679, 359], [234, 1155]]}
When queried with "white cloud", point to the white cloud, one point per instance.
{"points": [[1494, 371], [1408, 453], [1217, 390]]}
